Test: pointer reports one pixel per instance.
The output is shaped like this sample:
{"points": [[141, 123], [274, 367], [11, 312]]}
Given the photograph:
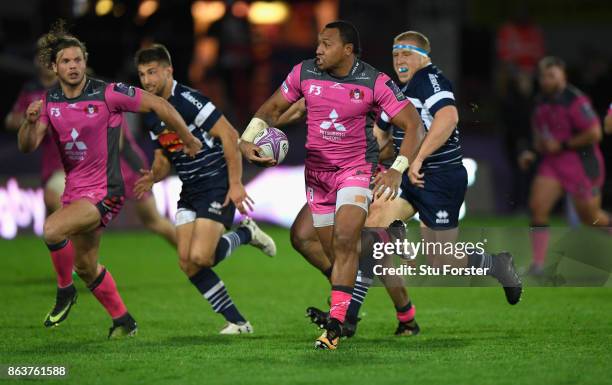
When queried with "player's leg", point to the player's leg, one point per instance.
{"points": [[382, 214], [545, 192], [53, 190], [590, 212], [59, 227], [152, 219], [306, 242], [352, 205], [206, 250], [438, 204], [78, 217], [101, 283]]}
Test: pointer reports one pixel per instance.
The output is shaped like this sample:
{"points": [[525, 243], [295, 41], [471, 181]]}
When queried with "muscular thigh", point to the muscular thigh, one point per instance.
{"points": [[545, 192], [382, 212], [80, 216], [204, 238], [303, 226]]}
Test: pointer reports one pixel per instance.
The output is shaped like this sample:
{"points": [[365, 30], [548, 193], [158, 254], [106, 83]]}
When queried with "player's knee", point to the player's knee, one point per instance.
{"points": [[345, 241], [201, 259], [52, 233], [298, 241]]}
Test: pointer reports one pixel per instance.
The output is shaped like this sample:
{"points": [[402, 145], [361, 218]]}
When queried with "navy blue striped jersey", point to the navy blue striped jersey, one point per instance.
{"points": [[208, 167], [429, 90]]}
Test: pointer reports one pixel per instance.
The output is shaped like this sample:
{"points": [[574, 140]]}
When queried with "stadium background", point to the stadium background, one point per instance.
{"points": [[238, 52]]}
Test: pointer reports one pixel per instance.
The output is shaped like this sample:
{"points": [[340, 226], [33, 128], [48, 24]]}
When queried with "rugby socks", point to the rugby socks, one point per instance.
{"points": [[406, 313], [360, 290], [230, 242], [365, 273], [213, 289], [340, 300], [540, 235], [105, 290], [62, 256]]}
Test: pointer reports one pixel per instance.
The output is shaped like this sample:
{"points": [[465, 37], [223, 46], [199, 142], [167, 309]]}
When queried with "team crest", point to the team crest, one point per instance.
{"points": [[356, 95], [91, 110]]}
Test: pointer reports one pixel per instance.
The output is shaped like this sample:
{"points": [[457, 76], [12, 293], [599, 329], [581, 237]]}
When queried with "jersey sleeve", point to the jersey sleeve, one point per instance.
{"points": [[435, 92], [290, 88], [202, 113], [121, 97], [388, 96], [582, 114], [384, 122]]}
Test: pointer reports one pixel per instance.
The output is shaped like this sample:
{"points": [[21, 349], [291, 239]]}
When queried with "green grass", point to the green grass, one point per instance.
{"points": [[469, 335]]}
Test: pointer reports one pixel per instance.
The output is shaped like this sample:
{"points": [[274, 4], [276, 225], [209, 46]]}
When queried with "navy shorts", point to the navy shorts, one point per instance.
{"points": [[205, 204], [438, 203]]}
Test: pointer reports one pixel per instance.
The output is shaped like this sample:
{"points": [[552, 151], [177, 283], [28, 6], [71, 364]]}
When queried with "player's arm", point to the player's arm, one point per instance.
{"points": [[444, 123], [294, 114], [267, 116], [228, 135], [159, 170], [33, 129], [590, 136], [385, 143], [173, 120], [409, 120]]}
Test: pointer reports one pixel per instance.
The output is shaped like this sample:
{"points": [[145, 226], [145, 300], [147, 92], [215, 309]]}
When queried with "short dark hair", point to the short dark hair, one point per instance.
{"points": [[551, 61], [348, 34], [58, 38], [156, 52]]}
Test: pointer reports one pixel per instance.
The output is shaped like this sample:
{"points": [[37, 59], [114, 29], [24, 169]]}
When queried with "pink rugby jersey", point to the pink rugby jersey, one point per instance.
{"points": [[86, 130], [338, 110], [562, 116]]}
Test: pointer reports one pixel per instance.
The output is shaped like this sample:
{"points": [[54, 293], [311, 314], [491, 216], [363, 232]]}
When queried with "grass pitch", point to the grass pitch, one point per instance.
{"points": [[469, 335]]}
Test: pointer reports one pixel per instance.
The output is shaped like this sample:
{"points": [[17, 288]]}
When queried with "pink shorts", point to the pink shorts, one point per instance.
{"points": [[130, 176], [108, 206], [327, 191], [581, 174]]}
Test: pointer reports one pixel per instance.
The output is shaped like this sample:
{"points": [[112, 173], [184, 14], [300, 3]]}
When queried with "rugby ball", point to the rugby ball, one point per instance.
{"points": [[273, 143]]}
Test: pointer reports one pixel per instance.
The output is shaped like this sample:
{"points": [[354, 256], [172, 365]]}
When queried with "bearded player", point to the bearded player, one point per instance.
{"points": [[340, 91], [89, 148]]}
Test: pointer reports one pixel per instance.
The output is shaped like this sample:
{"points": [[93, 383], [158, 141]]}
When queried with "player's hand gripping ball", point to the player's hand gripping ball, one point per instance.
{"points": [[273, 144]]}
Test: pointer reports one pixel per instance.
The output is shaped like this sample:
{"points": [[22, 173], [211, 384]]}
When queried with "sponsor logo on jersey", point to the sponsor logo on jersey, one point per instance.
{"points": [[76, 149], [399, 95], [314, 90], [327, 124], [190, 98], [434, 83], [337, 86]]}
